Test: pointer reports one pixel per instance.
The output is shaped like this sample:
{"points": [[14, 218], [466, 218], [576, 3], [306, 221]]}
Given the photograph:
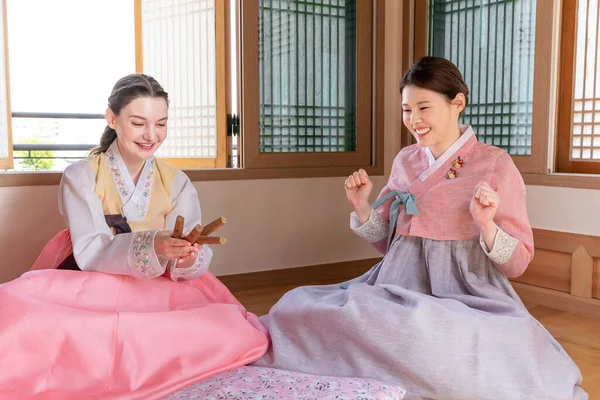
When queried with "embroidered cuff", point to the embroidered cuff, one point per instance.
{"points": [[142, 258], [164, 262], [195, 271], [504, 246], [374, 230]]}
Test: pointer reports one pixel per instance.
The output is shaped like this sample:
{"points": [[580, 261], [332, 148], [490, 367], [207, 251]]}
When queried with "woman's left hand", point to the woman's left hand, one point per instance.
{"points": [[187, 260], [484, 206]]}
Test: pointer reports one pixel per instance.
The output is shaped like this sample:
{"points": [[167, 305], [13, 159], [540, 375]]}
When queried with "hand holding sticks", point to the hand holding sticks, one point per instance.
{"points": [[200, 234]]}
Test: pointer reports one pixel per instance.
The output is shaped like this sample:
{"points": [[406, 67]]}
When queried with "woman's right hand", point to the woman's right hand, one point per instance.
{"points": [[358, 190], [171, 248]]}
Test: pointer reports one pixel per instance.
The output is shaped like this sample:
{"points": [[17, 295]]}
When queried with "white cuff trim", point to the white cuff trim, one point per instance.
{"points": [[504, 247], [142, 257], [374, 230], [194, 271]]}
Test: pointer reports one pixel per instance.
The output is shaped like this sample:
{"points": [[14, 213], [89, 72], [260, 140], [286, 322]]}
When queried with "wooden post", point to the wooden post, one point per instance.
{"points": [[582, 271]]}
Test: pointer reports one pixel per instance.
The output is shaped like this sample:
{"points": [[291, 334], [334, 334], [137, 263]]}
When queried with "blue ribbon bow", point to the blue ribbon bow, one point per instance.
{"points": [[410, 207]]}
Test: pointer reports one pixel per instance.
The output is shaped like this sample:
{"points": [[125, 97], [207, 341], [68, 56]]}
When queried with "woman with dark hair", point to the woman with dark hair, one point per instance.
{"points": [[437, 315], [116, 307]]}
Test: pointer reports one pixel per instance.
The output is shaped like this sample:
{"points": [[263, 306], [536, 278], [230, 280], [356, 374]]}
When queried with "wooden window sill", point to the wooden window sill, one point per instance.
{"points": [[8, 179], [580, 181]]}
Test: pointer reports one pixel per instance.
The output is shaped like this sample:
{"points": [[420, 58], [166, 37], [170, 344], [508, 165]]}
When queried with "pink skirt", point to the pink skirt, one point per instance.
{"points": [[88, 335]]}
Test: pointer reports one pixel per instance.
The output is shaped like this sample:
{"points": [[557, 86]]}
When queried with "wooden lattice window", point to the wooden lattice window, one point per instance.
{"points": [[182, 46], [308, 96], [578, 138], [492, 42]]}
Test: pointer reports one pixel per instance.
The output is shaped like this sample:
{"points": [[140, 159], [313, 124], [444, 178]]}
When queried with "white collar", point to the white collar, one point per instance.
{"points": [[135, 198], [466, 133], [430, 157]]}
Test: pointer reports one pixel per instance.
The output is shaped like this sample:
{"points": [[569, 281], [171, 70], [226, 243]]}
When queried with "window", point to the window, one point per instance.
{"points": [[180, 50], [59, 81], [578, 140], [309, 74], [492, 43], [305, 101], [60, 77], [307, 70], [502, 48]]}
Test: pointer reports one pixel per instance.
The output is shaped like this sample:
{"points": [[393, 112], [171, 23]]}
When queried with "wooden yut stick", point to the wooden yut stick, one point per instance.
{"points": [[211, 240], [178, 230], [194, 234], [213, 226]]}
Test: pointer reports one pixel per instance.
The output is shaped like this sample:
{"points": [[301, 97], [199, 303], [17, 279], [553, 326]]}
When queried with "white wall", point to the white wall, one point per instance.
{"points": [[28, 218], [564, 209], [271, 224]]}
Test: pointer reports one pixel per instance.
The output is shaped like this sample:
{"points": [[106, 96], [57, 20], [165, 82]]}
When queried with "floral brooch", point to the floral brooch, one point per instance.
{"points": [[456, 164]]}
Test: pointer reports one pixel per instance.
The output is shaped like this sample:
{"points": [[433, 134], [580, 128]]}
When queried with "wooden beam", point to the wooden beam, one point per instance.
{"points": [[139, 45], [308, 275], [566, 242], [558, 300]]}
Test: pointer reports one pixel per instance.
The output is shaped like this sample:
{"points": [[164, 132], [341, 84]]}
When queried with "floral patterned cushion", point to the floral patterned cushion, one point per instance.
{"points": [[253, 383]]}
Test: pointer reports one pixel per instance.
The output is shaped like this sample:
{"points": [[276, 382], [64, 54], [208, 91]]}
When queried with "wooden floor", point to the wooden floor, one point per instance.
{"points": [[579, 335]]}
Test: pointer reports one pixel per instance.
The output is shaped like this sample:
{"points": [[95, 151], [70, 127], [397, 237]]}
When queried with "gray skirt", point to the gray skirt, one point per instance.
{"points": [[435, 317]]}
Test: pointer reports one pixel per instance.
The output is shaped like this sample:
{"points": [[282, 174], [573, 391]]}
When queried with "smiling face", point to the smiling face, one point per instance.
{"points": [[431, 118], [141, 127]]}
